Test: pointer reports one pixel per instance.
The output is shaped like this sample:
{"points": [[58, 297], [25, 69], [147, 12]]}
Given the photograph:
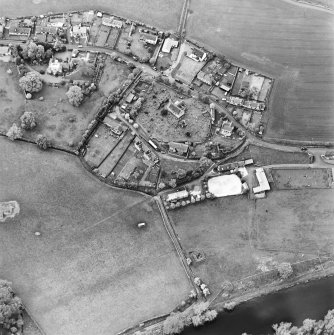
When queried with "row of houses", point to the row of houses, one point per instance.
{"points": [[236, 101]]}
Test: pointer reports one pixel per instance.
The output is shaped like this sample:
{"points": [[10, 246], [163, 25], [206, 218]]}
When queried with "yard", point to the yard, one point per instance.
{"points": [[57, 119], [240, 237], [114, 74], [168, 128], [91, 271], [287, 179], [302, 64]]}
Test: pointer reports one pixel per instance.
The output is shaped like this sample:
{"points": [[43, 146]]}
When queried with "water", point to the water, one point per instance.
{"points": [[311, 300]]}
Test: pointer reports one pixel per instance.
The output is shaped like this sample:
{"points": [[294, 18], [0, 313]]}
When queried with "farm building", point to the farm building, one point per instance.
{"points": [[169, 44], [226, 185], [263, 181], [177, 195]]}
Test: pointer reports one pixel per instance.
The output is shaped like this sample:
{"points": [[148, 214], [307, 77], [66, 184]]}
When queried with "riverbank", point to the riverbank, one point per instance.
{"points": [[312, 5]]}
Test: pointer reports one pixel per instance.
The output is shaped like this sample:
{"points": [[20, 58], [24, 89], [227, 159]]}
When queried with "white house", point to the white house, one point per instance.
{"points": [[263, 181]]}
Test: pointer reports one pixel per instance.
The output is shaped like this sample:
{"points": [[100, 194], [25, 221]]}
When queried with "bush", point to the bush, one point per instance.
{"points": [[285, 270], [75, 96], [14, 132], [42, 142], [28, 121]]}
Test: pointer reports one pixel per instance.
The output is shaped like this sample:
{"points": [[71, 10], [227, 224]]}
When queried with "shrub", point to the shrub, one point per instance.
{"points": [[285, 270], [14, 132], [42, 142], [28, 121]]}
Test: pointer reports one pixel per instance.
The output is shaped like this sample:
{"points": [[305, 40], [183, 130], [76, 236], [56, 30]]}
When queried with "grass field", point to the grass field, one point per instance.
{"points": [[293, 44], [160, 13], [239, 236], [91, 271]]}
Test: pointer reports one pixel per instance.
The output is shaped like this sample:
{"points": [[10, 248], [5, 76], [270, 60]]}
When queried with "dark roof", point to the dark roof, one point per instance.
{"points": [[179, 147], [197, 52]]}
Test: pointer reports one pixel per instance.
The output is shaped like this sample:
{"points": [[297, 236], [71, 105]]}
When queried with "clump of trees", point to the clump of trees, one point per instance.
{"points": [[75, 95], [31, 82], [28, 121], [42, 142], [14, 132], [10, 308], [309, 327], [196, 316], [285, 270]]}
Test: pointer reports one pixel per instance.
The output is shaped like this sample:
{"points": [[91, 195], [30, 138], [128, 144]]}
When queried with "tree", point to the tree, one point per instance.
{"points": [[75, 96], [14, 132], [40, 52], [42, 142], [285, 270], [10, 305], [28, 121], [31, 82], [174, 324], [48, 53]]}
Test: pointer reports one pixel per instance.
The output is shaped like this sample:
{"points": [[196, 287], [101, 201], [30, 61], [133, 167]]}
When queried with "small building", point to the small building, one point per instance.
{"points": [[205, 77], [197, 55], [16, 29], [227, 129], [149, 38], [226, 185], [169, 44], [55, 67], [175, 109], [117, 24], [177, 195], [107, 21], [263, 181], [130, 98], [225, 87], [181, 149], [249, 161]]}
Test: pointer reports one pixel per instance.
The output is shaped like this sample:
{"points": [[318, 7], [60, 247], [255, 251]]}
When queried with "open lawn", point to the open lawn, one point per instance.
{"points": [[239, 237], [114, 74], [11, 97], [56, 118], [293, 44], [167, 127], [91, 271]]}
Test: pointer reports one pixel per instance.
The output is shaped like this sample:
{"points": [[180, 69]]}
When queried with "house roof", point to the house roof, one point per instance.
{"points": [[226, 185], [129, 98], [181, 148], [263, 181], [228, 127], [205, 77], [177, 195], [149, 37], [15, 30]]}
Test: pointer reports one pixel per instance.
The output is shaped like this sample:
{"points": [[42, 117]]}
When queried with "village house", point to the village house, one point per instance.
{"points": [[110, 21], [197, 55], [88, 17], [177, 195], [55, 67], [149, 38], [227, 129], [169, 44], [80, 32], [205, 77], [180, 149], [16, 28]]}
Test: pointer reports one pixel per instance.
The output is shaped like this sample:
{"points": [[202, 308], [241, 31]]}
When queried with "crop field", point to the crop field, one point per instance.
{"points": [[57, 119], [240, 237], [11, 96], [292, 44], [286, 179], [114, 74], [91, 265]]}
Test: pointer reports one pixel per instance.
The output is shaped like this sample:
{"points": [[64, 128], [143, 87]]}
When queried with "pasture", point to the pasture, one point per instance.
{"points": [[240, 237], [293, 44], [91, 271], [160, 13]]}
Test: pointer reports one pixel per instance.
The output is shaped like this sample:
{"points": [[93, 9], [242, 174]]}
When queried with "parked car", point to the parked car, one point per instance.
{"points": [[303, 148], [75, 53]]}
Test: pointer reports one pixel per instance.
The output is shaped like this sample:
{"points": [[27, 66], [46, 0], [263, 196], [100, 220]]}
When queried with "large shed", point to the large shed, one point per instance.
{"points": [[226, 185]]}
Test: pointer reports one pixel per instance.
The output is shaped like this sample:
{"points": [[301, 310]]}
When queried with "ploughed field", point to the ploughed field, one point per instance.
{"points": [[160, 13], [291, 43], [91, 271]]}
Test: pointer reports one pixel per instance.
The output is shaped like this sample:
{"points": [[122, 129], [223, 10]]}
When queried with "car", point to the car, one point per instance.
{"points": [[80, 46], [303, 148], [154, 68], [141, 225]]}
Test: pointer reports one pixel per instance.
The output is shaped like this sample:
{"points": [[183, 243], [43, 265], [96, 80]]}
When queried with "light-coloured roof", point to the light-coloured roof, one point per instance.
{"points": [[226, 185], [263, 181], [169, 44], [177, 195]]}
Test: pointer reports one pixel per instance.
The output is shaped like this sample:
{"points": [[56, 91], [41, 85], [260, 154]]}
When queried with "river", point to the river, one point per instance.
{"points": [[311, 300]]}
